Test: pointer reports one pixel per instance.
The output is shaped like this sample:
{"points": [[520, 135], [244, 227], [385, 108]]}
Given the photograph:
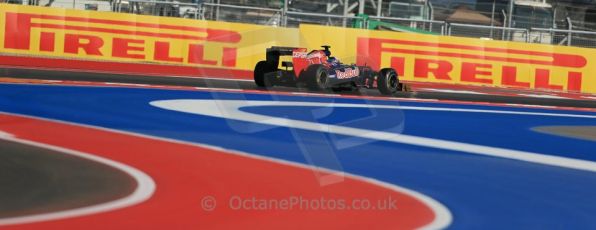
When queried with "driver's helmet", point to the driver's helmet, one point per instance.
{"points": [[333, 61], [326, 50]]}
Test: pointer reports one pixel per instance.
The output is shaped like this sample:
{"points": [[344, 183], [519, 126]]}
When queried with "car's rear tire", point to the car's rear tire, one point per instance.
{"points": [[388, 81], [315, 77], [259, 74]]}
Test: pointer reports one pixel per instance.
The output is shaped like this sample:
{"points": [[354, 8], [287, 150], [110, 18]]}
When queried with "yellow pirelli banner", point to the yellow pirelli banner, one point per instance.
{"points": [[128, 43], [128, 38], [430, 58]]}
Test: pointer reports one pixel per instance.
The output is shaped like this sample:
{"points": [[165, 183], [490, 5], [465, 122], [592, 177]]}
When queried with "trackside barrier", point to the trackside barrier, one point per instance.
{"points": [[148, 45]]}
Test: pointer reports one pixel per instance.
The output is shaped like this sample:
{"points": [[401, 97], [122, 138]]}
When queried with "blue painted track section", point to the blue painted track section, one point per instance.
{"points": [[481, 192]]}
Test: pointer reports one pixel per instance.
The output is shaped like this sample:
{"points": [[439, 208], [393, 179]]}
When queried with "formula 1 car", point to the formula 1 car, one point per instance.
{"points": [[318, 70]]}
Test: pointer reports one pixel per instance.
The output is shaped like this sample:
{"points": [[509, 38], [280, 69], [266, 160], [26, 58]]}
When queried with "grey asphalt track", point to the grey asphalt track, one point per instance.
{"points": [[36, 180], [231, 84]]}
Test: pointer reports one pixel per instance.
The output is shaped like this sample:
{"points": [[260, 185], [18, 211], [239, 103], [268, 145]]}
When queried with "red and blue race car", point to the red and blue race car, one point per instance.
{"points": [[318, 70]]}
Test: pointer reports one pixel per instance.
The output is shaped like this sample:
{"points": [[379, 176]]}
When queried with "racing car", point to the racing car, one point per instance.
{"points": [[318, 70]]}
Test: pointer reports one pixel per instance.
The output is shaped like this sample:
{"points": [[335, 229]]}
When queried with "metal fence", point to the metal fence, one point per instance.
{"points": [[431, 26], [294, 19], [569, 37], [169, 9], [488, 32], [234, 13], [277, 17], [287, 18]]}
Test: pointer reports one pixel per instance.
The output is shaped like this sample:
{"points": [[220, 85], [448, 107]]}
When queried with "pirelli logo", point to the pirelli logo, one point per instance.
{"points": [[474, 64], [119, 39]]}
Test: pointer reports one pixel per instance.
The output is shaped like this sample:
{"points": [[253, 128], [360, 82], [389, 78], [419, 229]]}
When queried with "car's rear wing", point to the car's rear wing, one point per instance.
{"points": [[298, 54], [281, 50], [274, 52]]}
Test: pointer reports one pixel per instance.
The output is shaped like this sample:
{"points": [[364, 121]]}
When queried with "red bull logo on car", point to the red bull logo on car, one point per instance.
{"points": [[347, 73]]}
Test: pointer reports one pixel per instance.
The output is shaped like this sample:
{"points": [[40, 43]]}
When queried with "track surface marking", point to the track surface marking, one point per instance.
{"points": [[480, 191]]}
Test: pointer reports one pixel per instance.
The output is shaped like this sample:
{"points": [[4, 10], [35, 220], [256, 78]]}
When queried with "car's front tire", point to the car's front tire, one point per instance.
{"points": [[315, 77], [388, 81]]}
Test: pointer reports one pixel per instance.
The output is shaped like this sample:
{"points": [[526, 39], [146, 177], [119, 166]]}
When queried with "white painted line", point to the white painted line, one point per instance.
{"points": [[542, 96], [5, 135], [454, 91], [232, 90], [224, 79], [230, 109], [443, 216], [589, 97], [208, 78], [314, 94], [533, 106], [143, 191], [125, 84]]}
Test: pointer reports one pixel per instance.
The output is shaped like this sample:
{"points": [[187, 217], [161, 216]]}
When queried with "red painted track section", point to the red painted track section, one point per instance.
{"points": [[186, 173]]}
